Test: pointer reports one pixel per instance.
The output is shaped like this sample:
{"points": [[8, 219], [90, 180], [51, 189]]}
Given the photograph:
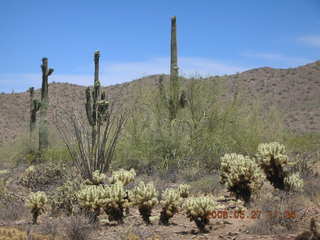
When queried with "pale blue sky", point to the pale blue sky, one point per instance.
{"points": [[214, 38]]}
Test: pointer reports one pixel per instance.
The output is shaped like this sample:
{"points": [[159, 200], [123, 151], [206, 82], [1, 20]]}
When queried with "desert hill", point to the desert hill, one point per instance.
{"points": [[294, 91]]}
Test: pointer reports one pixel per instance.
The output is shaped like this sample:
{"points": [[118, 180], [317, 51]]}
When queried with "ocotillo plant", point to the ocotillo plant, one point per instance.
{"points": [[93, 144], [176, 99], [43, 126]]}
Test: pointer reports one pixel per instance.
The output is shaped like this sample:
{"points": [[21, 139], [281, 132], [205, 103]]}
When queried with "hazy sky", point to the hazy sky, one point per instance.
{"points": [[215, 37]]}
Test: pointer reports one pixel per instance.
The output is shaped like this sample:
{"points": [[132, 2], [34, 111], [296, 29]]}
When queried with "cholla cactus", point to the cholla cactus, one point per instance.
{"points": [[91, 198], [97, 178], [65, 197], [36, 202], [199, 209], [184, 190], [241, 175], [273, 160], [123, 176], [293, 182], [170, 203], [116, 202], [145, 197]]}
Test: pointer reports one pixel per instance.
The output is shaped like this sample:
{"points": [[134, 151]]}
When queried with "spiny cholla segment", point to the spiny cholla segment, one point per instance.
{"points": [[123, 176]]}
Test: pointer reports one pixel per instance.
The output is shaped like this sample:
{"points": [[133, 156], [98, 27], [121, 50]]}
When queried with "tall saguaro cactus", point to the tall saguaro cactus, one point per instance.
{"points": [[43, 126], [97, 110], [32, 116], [176, 99], [34, 108]]}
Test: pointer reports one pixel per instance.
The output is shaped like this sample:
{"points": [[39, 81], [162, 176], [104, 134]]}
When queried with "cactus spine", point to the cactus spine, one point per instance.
{"points": [[43, 128]]}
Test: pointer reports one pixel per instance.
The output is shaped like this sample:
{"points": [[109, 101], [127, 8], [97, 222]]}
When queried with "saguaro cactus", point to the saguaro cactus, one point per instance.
{"points": [[32, 112], [96, 109], [43, 128], [34, 108], [176, 98]]}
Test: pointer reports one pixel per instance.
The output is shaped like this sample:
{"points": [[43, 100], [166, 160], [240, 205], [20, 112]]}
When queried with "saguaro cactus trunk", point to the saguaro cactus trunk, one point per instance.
{"points": [[174, 84], [32, 115], [43, 126], [96, 109], [176, 99]]}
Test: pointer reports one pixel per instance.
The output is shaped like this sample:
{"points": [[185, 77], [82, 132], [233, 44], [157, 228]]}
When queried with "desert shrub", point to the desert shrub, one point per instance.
{"points": [[273, 159], [115, 202], [39, 177], [199, 210], [36, 202], [278, 217], [241, 175], [76, 229], [65, 197], [170, 203], [184, 190], [91, 199], [202, 132], [206, 184], [145, 197], [123, 176]]}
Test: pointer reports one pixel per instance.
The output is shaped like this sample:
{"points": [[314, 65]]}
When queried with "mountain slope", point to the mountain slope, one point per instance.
{"points": [[295, 91]]}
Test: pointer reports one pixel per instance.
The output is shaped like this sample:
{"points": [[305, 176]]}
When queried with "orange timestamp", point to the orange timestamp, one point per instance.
{"points": [[251, 214]]}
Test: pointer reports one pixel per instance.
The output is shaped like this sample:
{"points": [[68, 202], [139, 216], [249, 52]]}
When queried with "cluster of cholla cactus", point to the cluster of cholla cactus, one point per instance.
{"points": [[294, 182], [184, 190], [116, 202], [123, 176], [97, 178], [91, 199], [145, 196], [242, 175], [170, 203], [36, 202], [65, 197], [199, 210], [272, 158]]}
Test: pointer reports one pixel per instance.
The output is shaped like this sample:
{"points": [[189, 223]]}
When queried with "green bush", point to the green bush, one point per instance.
{"points": [[65, 197], [39, 177]]}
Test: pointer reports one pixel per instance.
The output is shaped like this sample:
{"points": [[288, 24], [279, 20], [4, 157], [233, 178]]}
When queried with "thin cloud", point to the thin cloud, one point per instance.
{"points": [[311, 40], [113, 73], [277, 58]]}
